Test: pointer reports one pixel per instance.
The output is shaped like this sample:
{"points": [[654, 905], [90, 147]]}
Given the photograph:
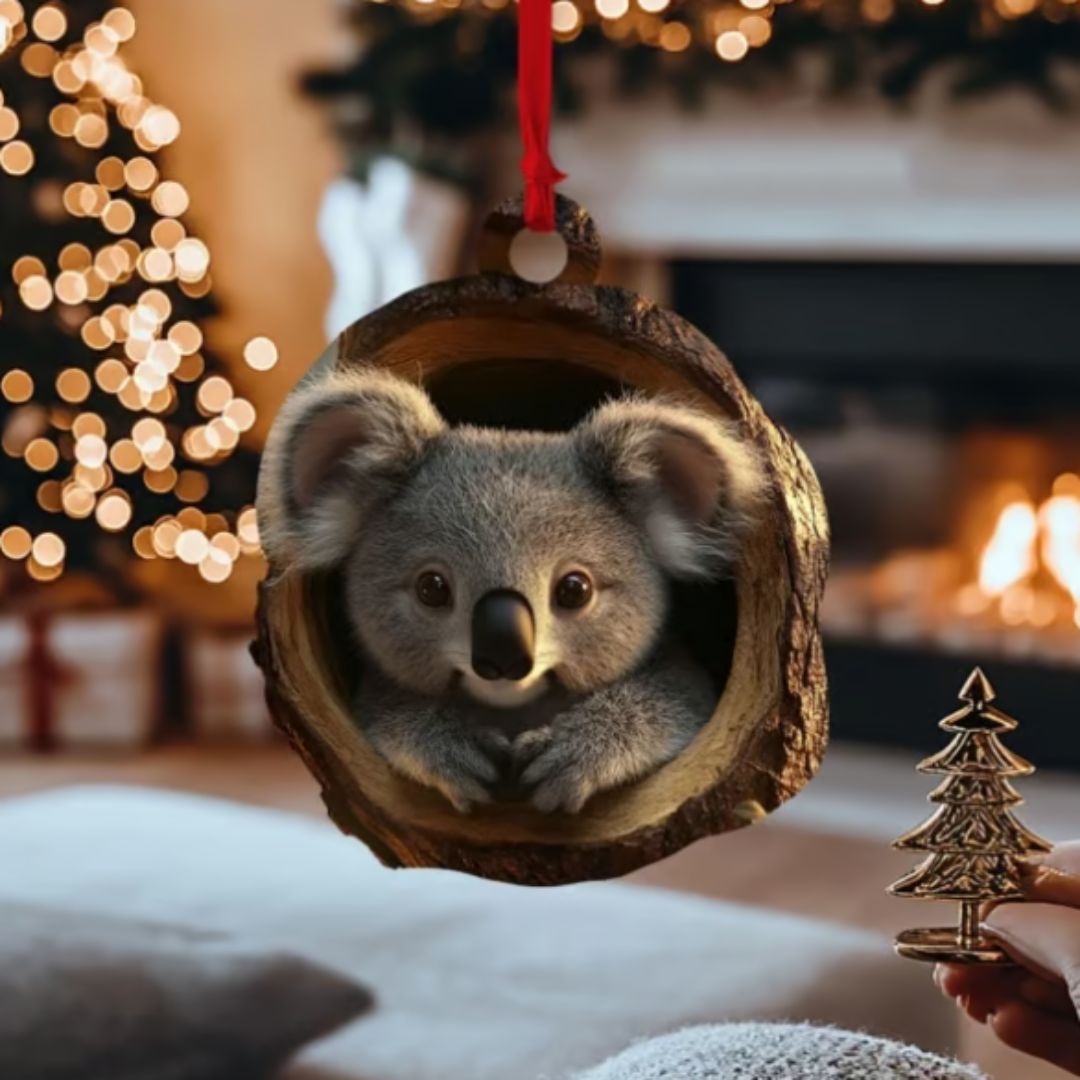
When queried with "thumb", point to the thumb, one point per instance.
{"points": [[1044, 938], [1054, 878]]}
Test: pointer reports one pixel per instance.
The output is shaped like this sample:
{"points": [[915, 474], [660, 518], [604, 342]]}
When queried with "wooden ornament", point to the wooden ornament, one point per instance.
{"points": [[974, 840], [493, 349]]}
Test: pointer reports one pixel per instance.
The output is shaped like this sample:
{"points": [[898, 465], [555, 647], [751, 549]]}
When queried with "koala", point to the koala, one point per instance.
{"points": [[509, 590]]}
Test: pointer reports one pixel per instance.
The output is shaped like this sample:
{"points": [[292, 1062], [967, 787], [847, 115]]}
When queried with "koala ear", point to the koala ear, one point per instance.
{"points": [[685, 477], [337, 448]]}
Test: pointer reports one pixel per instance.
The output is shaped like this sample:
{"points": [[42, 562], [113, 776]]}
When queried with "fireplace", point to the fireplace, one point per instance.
{"points": [[940, 404]]}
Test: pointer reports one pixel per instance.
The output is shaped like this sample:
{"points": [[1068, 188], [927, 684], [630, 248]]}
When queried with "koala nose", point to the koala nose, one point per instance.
{"points": [[503, 636]]}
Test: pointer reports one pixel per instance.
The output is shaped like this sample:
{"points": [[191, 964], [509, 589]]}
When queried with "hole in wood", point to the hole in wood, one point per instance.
{"points": [[538, 257]]}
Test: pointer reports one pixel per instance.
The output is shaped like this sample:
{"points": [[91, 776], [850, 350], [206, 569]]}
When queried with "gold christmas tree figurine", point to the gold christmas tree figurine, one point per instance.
{"points": [[974, 839]]}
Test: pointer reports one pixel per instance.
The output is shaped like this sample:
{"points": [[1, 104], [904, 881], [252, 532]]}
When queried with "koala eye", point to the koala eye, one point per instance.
{"points": [[432, 589], [574, 590]]}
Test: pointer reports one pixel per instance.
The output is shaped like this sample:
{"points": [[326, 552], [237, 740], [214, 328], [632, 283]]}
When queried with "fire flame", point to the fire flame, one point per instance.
{"points": [[1033, 556]]}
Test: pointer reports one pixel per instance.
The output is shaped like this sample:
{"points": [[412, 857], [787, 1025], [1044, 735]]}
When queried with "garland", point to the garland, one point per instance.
{"points": [[431, 81]]}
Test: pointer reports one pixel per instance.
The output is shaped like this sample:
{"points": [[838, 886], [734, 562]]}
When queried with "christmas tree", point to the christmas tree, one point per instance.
{"points": [[974, 840], [119, 437]]}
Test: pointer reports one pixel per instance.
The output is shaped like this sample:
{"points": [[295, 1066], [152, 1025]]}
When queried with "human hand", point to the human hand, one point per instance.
{"points": [[1034, 1007]]}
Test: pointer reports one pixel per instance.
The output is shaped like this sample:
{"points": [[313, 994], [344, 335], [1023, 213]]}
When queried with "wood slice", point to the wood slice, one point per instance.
{"points": [[464, 339]]}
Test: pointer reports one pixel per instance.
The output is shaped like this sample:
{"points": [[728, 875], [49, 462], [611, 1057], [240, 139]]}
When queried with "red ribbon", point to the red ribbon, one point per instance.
{"points": [[534, 113]]}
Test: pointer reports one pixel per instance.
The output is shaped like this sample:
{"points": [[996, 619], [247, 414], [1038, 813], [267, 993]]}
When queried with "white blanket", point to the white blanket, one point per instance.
{"points": [[474, 980]]}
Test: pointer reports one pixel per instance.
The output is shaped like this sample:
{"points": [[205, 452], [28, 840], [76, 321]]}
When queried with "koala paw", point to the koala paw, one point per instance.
{"points": [[460, 766], [560, 778]]}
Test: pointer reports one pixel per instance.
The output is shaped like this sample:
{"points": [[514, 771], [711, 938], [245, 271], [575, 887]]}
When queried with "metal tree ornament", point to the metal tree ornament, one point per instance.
{"points": [[974, 839]]}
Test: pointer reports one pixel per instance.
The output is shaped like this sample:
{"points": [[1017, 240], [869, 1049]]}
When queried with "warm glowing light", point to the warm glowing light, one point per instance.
{"points": [[91, 451], [757, 30], [149, 377], [71, 287], [260, 353], [148, 434], [675, 37], [49, 23], [170, 199], [165, 535], [26, 266], [240, 414], [143, 543], [48, 496], [48, 549], [36, 292], [732, 45], [160, 480], [91, 131], [118, 216], [15, 542], [125, 457], [1059, 519], [111, 375], [215, 566], [77, 500], [88, 423], [1009, 557], [156, 264], [565, 17], [41, 455], [192, 486], [159, 126], [140, 174], [612, 9], [17, 386], [16, 158], [247, 529], [192, 546], [192, 259], [654, 7], [167, 233], [113, 511], [222, 434], [186, 337], [9, 124], [98, 333], [63, 118], [121, 22], [214, 394], [75, 257], [73, 385]]}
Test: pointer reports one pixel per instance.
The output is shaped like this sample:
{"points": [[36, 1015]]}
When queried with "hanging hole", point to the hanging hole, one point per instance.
{"points": [[538, 257]]}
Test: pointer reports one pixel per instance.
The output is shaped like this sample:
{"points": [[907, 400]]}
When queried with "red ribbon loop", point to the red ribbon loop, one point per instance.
{"points": [[534, 113]]}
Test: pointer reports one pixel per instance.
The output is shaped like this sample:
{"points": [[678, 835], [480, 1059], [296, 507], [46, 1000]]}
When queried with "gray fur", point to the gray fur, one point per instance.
{"points": [[638, 493]]}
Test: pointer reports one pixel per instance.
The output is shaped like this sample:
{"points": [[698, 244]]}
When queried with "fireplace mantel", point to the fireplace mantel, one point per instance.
{"points": [[751, 178]]}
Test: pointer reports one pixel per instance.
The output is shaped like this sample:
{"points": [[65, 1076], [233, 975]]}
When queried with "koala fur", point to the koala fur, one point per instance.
{"points": [[364, 474]]}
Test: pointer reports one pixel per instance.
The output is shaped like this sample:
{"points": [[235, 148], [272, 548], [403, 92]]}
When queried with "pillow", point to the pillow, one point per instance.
{"points": [[776, 1052], [88, 997]]}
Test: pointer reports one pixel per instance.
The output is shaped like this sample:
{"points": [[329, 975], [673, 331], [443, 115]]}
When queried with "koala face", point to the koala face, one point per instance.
{"points": [[502, 562]]}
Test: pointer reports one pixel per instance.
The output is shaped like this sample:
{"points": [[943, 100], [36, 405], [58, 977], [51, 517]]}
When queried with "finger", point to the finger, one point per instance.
{"points": [[1049, 996], [1052, 885], [1065, 857], [1045, 938], [1040, 1034], [956, 979], [982, 991]]}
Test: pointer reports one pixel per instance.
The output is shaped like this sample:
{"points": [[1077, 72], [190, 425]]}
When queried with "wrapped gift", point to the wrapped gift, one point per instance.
{"points": [[225, 690], [72, 680]]}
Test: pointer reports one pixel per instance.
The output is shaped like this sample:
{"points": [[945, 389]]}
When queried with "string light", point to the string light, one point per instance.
{"points": [[260, 353], [151, 355]]}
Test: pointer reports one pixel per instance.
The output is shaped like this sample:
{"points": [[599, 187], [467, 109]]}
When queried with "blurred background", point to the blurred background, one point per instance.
{"points": [[870, 205]]}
